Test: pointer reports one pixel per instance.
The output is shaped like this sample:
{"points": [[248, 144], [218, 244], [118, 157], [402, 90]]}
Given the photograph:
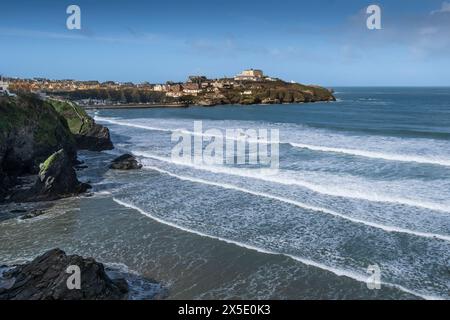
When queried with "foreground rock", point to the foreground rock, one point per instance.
{"points": [[56, 179], [45, 278], [88, 134], [125, 162]]}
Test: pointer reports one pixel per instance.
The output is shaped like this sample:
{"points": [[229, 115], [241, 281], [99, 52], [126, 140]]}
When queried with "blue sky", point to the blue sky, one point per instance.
{"points": [[322, 41]]}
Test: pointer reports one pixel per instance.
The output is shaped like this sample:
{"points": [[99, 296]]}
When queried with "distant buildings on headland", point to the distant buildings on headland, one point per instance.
{"points": [[250, 86], [193, 86]]}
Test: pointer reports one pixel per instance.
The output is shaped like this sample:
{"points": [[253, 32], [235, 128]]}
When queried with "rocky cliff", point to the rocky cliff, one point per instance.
{"points": [[88, 135], [266, 92], [31, 130]]}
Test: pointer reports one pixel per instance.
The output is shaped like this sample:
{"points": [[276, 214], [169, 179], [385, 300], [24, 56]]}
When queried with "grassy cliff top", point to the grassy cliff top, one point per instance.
{"points": [[31, 113], [77, 119]]}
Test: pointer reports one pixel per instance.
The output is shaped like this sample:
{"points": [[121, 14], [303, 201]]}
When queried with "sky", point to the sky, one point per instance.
{"points": [[323, 42]]}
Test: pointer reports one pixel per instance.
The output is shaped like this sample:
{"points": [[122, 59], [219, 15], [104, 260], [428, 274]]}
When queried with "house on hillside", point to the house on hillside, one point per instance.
{"points": [[250, 75], [4, 85]]}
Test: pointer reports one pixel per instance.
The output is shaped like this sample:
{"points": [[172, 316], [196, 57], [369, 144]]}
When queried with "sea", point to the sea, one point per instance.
{"points": [[358, 208]]}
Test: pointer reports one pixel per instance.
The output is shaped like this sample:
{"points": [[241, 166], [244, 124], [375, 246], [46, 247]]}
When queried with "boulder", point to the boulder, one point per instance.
{"points": [[125, 162], [46, 278], [95, 138], [56, 179]]}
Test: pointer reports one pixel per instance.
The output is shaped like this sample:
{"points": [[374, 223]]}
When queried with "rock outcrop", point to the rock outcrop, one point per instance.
{"points": [[95, 138], [263, 92], [88, 134], [125, 162], [56, 179], [30, 130], [46, 278]]}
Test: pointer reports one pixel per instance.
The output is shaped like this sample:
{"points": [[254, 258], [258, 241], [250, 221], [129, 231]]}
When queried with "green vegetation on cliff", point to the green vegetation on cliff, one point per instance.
{"points": [[49, 161], [78, 120], [30, 129], [88, 135], [266, 92]]}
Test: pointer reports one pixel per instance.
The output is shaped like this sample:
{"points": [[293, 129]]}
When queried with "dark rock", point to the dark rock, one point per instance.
{"points": [[45, 278], [96, 138], [30, 130], [32, 214], [125, 162], [57, 179], [4, 185], [77, 162], [18, 211]]}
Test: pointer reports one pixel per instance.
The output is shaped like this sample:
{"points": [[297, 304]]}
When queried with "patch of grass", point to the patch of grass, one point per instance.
{"points": [[49, 161], [77, 119]]}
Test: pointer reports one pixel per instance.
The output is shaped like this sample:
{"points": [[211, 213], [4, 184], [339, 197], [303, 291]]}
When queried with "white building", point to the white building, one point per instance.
{"points": [[250, 75], [161, 87], [4, 87]]}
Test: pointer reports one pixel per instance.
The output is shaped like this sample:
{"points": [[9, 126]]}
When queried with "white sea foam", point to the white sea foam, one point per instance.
{"points": [[322, 189], [192, 133], [101, 194], [303, 205], [382, 155], [374, 155], [360, 277], [130, 124]]}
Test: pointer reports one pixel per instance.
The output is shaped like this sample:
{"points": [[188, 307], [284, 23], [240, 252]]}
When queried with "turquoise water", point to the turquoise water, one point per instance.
{"points": [[362, 181]]}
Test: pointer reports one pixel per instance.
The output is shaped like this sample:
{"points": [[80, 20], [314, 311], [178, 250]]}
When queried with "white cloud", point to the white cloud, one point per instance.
{"points": [[445, 7]]}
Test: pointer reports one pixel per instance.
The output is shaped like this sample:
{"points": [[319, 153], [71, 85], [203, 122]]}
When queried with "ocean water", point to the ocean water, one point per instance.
{"points": [[364, 181]]}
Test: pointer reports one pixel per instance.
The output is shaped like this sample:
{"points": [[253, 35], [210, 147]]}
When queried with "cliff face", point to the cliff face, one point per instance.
{"points": [[32, 129], [88, 135]]}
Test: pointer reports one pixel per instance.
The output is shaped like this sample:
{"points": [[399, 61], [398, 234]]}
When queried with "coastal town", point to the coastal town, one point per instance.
{"points": [[194, 84], [250, 86]]}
